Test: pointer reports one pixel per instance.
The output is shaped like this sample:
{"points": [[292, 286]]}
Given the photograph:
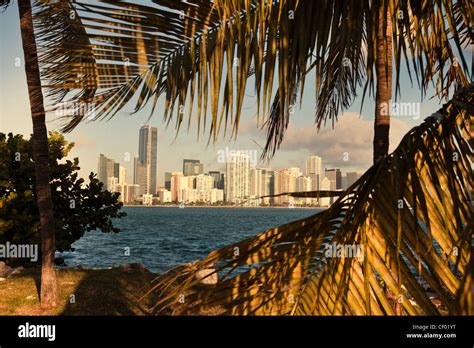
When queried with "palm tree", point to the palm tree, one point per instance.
{"points": [[49, 290], [185, 50], [384, 85]]}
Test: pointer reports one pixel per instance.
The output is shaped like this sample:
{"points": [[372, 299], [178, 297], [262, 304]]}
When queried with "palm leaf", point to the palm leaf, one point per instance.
{"points": [[410, 213], [101, 55]]}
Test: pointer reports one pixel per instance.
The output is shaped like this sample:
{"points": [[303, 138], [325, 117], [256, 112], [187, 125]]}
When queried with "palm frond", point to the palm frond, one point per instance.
{"points": [[410, 214], [98, 56]]}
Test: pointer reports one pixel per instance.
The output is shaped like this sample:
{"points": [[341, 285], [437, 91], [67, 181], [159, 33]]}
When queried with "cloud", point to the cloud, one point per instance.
{"points": [[352, 137]]}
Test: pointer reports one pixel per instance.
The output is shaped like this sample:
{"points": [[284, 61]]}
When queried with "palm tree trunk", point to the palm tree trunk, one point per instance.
{"points": [[49, 290], [384, 85], [383, 100]]}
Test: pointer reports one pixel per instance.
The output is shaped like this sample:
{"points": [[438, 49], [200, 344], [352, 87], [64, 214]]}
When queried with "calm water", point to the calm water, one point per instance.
{"points": [[161, 238]]}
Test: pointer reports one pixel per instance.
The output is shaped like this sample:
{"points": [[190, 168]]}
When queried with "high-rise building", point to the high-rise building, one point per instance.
{"points": [[256, 178], [303, 184], [116, 169], [344, 182], [139, 176], [218, 179], [192, 167], [122, 175], [112, 183], [325, 185], [176, 185], [106, 169], [102, 169], [294, 171], [336, 176], [314, 170], [131, 193], [146, 162], [237, 178], [222, 184], [261, 184], [351, 177], [285, 181], [268, 183], [204, 182], [168, 181]]}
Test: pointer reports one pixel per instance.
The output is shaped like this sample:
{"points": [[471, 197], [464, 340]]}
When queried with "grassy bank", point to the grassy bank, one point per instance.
{"points": [[113, 291]]}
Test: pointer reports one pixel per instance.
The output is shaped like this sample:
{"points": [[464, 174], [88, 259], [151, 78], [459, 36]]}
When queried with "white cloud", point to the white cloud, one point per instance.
{"points": [[352, 136]]}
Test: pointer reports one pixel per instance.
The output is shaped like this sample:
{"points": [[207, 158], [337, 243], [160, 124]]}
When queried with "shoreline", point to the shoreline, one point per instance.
{"points": [[219, 206]]}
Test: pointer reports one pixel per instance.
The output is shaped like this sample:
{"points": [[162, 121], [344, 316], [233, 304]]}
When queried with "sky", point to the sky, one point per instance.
{"points": [[348, 146]]}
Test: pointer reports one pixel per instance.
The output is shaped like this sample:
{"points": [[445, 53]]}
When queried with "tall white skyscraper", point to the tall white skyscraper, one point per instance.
{"points": [[303, 184], [237, 178], [314, 169], [145, 165], [112, 183], [122, 178], [256, 182], [326, 185]]}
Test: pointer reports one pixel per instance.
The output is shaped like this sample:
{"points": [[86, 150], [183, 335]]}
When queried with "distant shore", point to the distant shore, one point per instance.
{"points": [[220, 206]]}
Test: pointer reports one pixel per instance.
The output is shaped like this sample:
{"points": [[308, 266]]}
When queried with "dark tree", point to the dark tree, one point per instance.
{"points": [[78, 206]]}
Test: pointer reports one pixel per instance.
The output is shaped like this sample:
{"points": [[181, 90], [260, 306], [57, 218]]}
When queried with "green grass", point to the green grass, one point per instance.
{"points": [[97, 292]]}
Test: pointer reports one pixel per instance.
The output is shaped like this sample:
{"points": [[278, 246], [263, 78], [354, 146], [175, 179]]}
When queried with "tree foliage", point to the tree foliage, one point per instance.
{"points": [[201, 55], [79, 206]]}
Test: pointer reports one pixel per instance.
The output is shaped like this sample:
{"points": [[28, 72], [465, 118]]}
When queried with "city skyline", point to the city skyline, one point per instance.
{"points": [[240, 183]]}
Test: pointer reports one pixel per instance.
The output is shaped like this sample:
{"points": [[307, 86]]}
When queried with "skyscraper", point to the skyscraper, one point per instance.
{"points": [[145, 165], [255, 182], [352, 177], [303, 184], [102, 169], [139, 176], [112, 183], [122, 175], [335, 176], [116, 169], [175, 185], [218, 179], [192, 167], [325, 185], [261, 184], [168, 181], [269, 185], [314, 170], [204, 182], [106, 170], [285, 181], [237, 178]]}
